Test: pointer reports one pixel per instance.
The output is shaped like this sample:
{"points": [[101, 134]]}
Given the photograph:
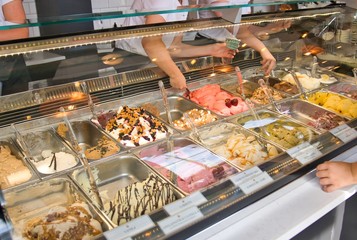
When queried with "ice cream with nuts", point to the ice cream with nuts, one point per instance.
{"points": [[135, 127]]}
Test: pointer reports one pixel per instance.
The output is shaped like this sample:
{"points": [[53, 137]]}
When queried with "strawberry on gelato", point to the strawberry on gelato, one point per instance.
{"points": [[219, 101]]}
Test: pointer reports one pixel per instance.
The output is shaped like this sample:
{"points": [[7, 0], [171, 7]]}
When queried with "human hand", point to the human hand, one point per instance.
{"points": [[268, 62], [221, 50], [178, 82], [335, 175]]}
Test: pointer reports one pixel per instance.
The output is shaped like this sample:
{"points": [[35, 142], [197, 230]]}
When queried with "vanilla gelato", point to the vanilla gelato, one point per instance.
{"points": [[54, 162], [307, 82]]}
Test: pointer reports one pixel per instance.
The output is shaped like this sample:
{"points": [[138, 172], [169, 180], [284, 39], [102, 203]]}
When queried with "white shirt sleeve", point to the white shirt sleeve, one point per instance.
{"points": [[160, 5], [3, 2]]}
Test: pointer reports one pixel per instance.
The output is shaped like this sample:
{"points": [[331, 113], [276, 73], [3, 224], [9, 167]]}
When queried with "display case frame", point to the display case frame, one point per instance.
{"points": [[121, 90]]}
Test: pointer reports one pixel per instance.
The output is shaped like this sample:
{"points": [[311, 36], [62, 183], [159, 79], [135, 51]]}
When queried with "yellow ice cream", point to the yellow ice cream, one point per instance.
{"points": [[337, 103]]}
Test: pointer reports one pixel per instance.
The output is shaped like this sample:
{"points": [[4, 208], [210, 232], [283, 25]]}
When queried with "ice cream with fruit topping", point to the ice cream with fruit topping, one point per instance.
{"points": [[219, 101]]}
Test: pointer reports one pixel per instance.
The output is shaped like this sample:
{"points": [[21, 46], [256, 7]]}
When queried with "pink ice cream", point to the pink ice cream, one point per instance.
{"points": [[191, 168], [219, 101]]}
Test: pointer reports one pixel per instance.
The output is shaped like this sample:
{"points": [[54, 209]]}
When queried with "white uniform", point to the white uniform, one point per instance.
{"points": [[220, 34], [135, 45], [2, 18]]}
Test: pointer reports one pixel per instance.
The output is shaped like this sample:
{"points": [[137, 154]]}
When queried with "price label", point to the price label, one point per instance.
{"points": [[175, 222], [344, 132], [304, 152], [131, 228], [256, 183], [193, 200], [241, 177], [259, 123]]}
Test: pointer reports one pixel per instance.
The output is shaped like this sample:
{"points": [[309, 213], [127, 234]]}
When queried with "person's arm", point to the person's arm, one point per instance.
{"points": [[335, 175], [180, 50], [14, 12], [268, 62], [162, 57], [157, 52]]}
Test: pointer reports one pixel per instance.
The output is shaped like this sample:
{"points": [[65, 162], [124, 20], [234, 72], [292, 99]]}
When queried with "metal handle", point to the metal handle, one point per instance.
{"points": [[240, 81], [166, 102]]}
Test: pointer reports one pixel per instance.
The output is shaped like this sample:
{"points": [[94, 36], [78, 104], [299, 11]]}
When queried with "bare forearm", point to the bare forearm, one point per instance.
{"points": [[14, 13], [354, 172], [157, 52], [250, 39], [13, 34]]}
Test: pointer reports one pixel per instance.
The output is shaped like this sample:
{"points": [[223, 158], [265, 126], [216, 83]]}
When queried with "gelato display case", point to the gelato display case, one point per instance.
{"points": [[103, 150]]}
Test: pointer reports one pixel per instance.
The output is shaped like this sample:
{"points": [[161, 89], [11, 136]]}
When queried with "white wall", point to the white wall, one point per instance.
{"points": [[98, 6], [31, 13]]}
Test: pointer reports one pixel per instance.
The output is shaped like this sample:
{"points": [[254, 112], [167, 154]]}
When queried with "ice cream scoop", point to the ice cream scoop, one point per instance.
{"points": [[297, 81], [193, 127], [90, 100], [166, 102], [83, 158], [21, 140], [240, 81], [268, 94]]}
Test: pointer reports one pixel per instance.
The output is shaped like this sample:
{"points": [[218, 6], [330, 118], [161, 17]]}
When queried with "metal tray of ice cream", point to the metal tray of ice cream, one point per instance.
{"points": [[120, 180], [283, 131], [187, 165], [240, 152], [128, 139], [177, 105], [95, 143], [346, 89], [14, 169], [255, 73], [336, 102], [36, 200], [309, 81], [49, 155], [249, 88], [274, 82], [308, 114]]}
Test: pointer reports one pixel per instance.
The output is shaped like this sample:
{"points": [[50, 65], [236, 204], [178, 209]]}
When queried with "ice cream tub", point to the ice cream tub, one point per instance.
{"points": [[178, 106], [93, 142], [186, 164], [132, 126], [284, 132], [50, 207], [335, 102], [311, 114], [346, 89], [14, 169], [49, 155], [127, 188], [278, 84], [223, 103], [254, 92], [239, 146]]}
